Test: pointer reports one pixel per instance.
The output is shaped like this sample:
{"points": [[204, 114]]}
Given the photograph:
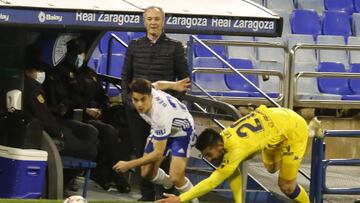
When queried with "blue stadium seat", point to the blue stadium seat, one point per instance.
{"points": [[357, 5], [302, 55], [286, 5], [116, 47], [354, 84], [354, 55], [336, 23], [116, 64], [340, 5], [332, 55], [208, 81], [300, 22], [135, 35], [201, 51], [234, 82], [333, 85], [317, 5]]}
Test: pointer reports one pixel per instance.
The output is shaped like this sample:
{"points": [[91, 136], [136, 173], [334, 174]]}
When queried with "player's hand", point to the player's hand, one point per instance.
{"points": [[121, 166], [170, 198], [93, 112], [182, 85]]}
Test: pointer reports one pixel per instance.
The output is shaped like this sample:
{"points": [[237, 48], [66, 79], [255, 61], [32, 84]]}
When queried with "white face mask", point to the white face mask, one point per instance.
{"points": [[40, 77], [79, 61]]}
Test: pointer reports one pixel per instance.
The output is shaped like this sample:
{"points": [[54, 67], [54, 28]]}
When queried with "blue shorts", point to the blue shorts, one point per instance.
{"points": [[176, 146]]}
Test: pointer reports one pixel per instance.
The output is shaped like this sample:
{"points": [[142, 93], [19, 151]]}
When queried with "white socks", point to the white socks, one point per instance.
{"points": [[163, 179], [186, 187]]}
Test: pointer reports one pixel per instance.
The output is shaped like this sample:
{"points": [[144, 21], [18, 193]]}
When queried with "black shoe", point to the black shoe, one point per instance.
{"points": [[150, 198], [101, 175], [121, 183]]}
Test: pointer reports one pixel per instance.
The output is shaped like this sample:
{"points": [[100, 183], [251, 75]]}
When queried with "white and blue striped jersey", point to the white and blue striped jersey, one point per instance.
{"points": [[168, 117]]}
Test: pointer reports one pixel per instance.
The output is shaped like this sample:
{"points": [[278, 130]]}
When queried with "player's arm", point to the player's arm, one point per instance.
{"points": [[232, 161], [157, 153], [235, 181], [180, 86]]}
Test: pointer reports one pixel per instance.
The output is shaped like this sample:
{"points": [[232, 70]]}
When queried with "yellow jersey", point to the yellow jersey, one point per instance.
{"points": [[263, 128]]}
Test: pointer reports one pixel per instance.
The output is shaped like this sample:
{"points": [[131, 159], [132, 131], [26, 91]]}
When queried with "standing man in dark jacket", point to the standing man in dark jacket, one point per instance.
{"points": [[80, 89], [153, 57]]}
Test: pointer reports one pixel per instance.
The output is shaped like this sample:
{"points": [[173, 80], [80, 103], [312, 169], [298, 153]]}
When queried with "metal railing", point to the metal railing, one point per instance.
{"points": [[230, 69], [319, 165], [294, 99]]}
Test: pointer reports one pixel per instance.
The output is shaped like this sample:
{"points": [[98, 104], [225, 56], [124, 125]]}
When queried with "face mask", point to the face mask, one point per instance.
{"points": [[40, 77], [79, 60]]}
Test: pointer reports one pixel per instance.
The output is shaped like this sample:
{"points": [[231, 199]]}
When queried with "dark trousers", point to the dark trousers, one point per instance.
{"points": [[139, 131], [80, 139]]}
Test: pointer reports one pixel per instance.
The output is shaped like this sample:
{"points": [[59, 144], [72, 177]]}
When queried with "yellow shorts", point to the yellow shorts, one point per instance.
{"points": [[290, 152]]}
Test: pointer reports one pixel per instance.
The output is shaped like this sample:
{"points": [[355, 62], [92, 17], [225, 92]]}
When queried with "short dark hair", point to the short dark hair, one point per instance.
{"points": [[141, 86], [208, 138]]}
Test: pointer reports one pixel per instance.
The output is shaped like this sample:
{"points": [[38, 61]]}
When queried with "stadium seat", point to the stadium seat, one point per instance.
{"points": [[242, 52], [271, 86], [354, 55], [135, 35], [354, 84], [183, 38], [336, 23], [340, 5], [356, 24], [333, 85], [286, 5], [116, 47], [201, 51], [300, 22], [209, 81], [285, 14], [307, 87], [357, 5], [115, 67], [235, 82], [317, 5], [302, 55], [270, 54], [332, 55]]}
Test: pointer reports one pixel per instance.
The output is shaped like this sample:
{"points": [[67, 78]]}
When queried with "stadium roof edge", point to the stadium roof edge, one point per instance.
{"points": [[234, 17]]}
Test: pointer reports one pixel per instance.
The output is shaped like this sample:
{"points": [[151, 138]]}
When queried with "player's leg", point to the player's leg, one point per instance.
{"points": [[180, 149], [292, 155], [271, 159], [152, 171]]}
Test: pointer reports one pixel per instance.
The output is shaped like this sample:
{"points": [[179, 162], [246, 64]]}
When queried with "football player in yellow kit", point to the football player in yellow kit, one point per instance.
{"points": [[280, 134]]}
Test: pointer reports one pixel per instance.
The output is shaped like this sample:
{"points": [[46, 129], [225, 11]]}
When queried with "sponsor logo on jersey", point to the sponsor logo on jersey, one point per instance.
{"points": [[181, 151]]}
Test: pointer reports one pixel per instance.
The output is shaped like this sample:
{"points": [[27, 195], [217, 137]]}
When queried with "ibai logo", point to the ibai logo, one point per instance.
{"points": [[48, 17], [4, 17]]}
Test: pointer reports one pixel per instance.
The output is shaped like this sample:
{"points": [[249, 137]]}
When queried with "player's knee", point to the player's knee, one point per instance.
{"points": [[146, 173], [287, 187], [177, 179], [272, 168]]}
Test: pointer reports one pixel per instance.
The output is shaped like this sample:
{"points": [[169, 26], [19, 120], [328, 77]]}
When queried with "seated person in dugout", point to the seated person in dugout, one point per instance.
{"points": [[172, 130], [73, 86], [72, 138], [280, 134]]}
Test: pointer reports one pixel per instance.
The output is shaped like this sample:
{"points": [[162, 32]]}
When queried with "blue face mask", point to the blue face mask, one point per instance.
{"points": [[40, 77], [79, 61]]}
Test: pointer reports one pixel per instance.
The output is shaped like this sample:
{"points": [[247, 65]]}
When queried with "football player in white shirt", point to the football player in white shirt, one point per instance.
{"points": [[172, 131]]}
